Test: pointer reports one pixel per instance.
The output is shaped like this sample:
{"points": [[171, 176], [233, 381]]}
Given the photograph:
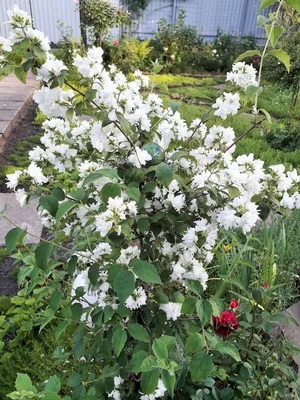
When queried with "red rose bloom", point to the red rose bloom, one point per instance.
{"points": [[116, 43], [265, 285], [234, 304], [225, 324]]}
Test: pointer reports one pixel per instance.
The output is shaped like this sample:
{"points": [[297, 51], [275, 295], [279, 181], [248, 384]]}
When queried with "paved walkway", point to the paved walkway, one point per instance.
{"points": [[14, 100], [15, 97]]}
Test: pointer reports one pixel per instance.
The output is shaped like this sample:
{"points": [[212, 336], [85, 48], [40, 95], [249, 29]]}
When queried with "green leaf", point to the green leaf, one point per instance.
{"points": [[189, 305], [90, 94], [138, 332], [295, 4], [109, 173], [149, 364], [267, 115], [79, 194], [145, 271], [201, 367], [49, 203], [41, 55], [233, 192], [77, 311], [204, 311], [23, 382], [163, 88], [143, 224], [55, 300], [174, 106], [124, 285], [169, 381], [20, 74], [261, 20], [229, 349], [64, 208], [11, 239], [249, 53], [61, 327], [251, 91], [42, 254], [195, 342], [282, 56], [170, 341], [53, 385], [227, 394], [51, 396], [150, 381], [118, 340], [72, 264], [110, 190], [274, 32], [59, 194], [137, 361], [74, 380], [160, 349], [133, 193], [165, 174], [266, 3]]}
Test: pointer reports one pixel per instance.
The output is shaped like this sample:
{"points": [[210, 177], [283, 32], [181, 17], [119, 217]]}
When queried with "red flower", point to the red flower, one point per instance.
{"points": [[225, 324], [116, 42], [265, 285], [234, 304]]}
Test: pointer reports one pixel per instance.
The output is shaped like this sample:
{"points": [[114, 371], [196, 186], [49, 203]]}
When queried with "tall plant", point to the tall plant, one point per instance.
{"points": [[141, 197], [100, 16]]}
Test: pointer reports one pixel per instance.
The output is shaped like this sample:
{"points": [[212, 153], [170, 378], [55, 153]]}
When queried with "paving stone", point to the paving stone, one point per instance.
{"points": [[8, 115], [25, 217], [4, 126], [10, 105]]}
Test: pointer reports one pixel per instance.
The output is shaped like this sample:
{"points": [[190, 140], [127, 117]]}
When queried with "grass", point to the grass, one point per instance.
{"points": [[273, 99]]}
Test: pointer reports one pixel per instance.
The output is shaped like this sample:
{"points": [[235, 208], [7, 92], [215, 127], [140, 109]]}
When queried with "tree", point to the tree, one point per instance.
{"points": [[100, 16]]}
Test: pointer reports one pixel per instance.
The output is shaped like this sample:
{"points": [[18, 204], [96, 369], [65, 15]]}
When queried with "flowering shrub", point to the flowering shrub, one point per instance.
{"points": [[141, 198]]}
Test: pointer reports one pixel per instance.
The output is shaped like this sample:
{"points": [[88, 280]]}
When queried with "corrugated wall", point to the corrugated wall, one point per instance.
{"points": [[46, 13], [234, 16]]}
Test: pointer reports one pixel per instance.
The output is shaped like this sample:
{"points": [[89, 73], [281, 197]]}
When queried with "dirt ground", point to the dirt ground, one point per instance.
{"points": [[23, 130]]}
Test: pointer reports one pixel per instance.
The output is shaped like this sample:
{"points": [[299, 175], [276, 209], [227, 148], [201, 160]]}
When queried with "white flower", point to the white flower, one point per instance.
{"points": [[137, 299], [36, 174], [13, 179], [173, 310], [21, 196], [51, 68], [227, 104], [5, 44], [242, 75], [139, 157]]}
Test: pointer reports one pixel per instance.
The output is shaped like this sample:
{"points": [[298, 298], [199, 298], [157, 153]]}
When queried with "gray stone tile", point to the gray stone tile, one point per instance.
{"points": [[25, 217]]}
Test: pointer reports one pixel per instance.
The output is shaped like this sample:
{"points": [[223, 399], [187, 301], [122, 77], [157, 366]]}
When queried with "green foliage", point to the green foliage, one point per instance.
{"points": [[129, 54], [99, 16]]}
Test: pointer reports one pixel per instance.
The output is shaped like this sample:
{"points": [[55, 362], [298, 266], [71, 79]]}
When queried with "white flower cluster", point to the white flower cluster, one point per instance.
{"points": [[20, 23], [172, 310], [227, 104], [242, 75]]}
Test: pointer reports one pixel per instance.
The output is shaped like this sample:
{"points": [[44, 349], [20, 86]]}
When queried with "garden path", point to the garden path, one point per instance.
{"points": [[15, 97]]}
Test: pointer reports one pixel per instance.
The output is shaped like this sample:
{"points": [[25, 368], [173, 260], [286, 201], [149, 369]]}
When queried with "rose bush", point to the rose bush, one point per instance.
{"points": [[140, 197]]}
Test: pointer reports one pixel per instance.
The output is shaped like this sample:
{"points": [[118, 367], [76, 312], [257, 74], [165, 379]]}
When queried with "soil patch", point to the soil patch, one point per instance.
{"points": [[24, 129], [8, 284]]}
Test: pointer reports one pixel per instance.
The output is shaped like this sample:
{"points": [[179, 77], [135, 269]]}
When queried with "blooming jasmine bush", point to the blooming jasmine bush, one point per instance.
{"points": [[141, 197]]}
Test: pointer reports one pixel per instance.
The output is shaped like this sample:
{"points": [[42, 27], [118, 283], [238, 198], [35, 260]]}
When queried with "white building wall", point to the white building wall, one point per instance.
{"points": [[45, 14]]}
